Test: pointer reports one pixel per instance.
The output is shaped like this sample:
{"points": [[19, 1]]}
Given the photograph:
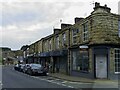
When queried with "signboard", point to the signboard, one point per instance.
{"points": [[83, 47]]}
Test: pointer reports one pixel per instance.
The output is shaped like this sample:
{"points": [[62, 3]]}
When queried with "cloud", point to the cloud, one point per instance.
{"points": [[30, 20]]}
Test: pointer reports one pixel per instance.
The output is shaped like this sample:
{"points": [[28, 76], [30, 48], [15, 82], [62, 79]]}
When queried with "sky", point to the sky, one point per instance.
{"points": [[23, 22]]}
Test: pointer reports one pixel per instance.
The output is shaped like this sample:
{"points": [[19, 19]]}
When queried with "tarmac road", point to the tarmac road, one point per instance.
{"points": [[15, 79]]}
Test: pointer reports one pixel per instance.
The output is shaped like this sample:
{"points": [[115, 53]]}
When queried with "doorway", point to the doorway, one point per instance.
{"points": [[101, 66]]}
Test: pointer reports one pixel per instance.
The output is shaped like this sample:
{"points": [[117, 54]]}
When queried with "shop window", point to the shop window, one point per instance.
{"points": [[80, 60], [117, 61]]}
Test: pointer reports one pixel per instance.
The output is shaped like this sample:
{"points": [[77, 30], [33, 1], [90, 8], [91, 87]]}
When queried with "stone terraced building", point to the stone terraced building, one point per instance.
{"points": [[89, 48]]}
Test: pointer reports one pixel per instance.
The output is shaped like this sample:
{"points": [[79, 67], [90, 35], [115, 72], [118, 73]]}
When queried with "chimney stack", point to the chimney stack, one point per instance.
{"points": [[105, 8], [56, 30], [65, 25], [78, 19]]}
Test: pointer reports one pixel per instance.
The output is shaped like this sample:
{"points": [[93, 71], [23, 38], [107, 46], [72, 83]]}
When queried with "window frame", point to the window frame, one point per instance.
{"points": [[63, 39], [85, 35], [82, 63], [119, 28], [75, 35], [57, 42], [118, 60], [50, 45]]}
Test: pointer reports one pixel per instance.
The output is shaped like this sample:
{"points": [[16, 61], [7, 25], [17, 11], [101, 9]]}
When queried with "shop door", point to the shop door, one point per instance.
{"points": [[101, 66]]}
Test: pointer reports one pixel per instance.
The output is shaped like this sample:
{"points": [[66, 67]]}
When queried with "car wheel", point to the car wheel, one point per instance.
{"points": [[44, 73], [30, 72]]}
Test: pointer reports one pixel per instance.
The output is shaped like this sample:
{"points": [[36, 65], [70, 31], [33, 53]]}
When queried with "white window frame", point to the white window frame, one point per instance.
{"points": [[50, 45], [45, 46], [119, 28], [116, 72], [63, 39], [57, 42], [85, 32], [74, 35]]}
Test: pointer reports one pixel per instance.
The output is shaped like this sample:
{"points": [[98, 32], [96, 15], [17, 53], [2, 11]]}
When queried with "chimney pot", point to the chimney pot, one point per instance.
{"points": [[97, 4], [105, 5]]}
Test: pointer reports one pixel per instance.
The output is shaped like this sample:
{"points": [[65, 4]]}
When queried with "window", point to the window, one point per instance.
{"points": [[80, 60], [45, 46], [119, 28], [63, 39], [85, 32], [84, 60], [117, 60], [57, 42], [50, 45], [74, 35]]}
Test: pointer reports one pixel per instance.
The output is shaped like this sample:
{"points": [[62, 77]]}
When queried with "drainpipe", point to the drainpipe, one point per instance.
{"points": [[68, 62]]}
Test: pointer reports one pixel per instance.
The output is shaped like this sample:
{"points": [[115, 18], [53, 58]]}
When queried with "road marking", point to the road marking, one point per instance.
{"points": [[65, 82], [78, 83], [57, 79], [1, 83], [70, 87], [51, 81]]}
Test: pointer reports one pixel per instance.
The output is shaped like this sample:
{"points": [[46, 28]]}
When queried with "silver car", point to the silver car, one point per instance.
{"points": [[36, 69], [25, 68]]}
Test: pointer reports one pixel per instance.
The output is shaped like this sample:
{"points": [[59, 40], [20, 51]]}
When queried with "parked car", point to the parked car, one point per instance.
{"points": [[17, 67], [25, 68], [21, 67], [36, 69]]}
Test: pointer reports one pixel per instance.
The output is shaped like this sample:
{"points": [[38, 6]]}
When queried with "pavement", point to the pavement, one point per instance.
{"points": [[81, 79]]}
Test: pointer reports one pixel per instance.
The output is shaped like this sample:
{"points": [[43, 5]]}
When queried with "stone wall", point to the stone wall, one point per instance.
{"points": [[105, 29]]}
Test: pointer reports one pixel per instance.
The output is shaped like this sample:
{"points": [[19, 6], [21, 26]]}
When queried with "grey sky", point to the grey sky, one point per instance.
{"points": [[24, 22]]}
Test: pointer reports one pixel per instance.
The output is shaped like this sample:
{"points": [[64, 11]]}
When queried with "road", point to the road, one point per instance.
{"points": [[15, 79]]}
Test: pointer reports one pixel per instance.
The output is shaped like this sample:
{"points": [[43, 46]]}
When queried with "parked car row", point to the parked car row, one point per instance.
{"points": [[31, 69]]}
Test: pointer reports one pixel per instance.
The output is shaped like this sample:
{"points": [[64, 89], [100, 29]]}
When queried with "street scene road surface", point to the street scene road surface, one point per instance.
{"points": [[14, 79]]}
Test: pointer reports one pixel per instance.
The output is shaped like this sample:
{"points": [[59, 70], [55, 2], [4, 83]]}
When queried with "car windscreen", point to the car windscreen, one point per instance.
{"points": [[36, 66]]}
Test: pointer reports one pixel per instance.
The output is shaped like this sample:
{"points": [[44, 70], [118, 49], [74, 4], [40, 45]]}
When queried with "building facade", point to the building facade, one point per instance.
{"points": [[89, 48], [7, 56]]}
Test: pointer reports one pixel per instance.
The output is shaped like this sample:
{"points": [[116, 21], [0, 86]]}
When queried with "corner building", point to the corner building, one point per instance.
{"points": [[95, 45]]}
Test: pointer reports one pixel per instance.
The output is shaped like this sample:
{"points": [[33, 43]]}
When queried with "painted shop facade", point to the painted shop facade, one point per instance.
{"points": [[89, 48]]}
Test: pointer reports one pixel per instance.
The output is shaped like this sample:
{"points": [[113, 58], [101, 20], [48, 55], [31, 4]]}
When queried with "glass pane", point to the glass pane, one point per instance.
{"points": [[118, 64], [118, 69]]}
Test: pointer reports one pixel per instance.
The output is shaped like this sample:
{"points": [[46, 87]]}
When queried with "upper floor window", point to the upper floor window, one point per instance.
{"points": [[45, 46], [117, 60], [74, 35], [119, 28], [57, 42], [50, 45], [85, 32], [63, 39]]}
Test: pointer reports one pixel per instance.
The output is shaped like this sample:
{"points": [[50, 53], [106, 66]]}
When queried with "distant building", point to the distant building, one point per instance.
{"points": [[7, 55]]}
